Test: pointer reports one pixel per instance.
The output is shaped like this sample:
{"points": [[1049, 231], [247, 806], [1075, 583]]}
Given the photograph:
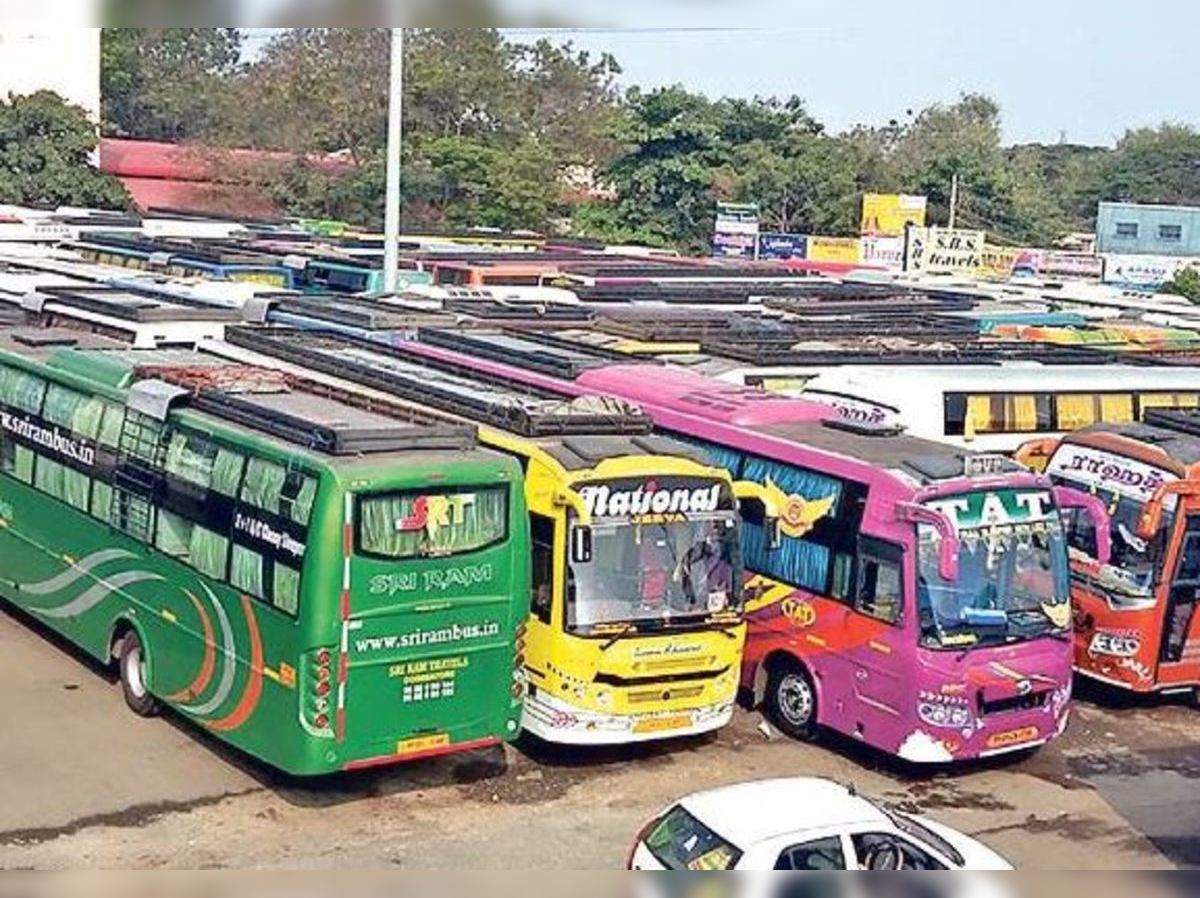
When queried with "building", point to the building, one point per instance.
{"points": [[65, 60], [1133, 229]]}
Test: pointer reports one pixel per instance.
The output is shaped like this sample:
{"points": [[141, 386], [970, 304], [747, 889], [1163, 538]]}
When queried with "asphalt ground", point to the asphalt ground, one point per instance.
{"points": [[85, 783]]}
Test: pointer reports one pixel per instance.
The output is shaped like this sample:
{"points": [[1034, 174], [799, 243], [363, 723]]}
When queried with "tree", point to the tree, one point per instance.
{"points": [[166, 83], [1186, 283], [683, 153], [44, 148], [1154, 165]]}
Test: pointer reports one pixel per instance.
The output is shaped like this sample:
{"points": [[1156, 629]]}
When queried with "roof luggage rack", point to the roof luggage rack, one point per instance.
{"points": [[940, 352], [1180, 420], [528, 351], [294, 408], [503, 312], [448, 387], [141, 307], [363, 314]]}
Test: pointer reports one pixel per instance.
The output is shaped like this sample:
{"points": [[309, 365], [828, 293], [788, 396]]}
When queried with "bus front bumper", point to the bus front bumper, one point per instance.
{"points": [[557, 721]]}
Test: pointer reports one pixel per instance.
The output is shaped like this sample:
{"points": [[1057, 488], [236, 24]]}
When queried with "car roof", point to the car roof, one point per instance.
{"points": [[748, 813]]}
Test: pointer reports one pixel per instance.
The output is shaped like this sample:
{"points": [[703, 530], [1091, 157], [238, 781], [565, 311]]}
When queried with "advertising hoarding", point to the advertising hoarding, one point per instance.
{"points": [[887, 214]]}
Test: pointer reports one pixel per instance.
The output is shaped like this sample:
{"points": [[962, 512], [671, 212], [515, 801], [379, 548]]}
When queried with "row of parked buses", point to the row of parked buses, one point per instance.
{"points": [[388, 540]]}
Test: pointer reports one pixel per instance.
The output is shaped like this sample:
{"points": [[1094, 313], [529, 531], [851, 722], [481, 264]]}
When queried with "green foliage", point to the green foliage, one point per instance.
{"points": [[1186, 283], [166, 83], [496, 132], [44, 155]]}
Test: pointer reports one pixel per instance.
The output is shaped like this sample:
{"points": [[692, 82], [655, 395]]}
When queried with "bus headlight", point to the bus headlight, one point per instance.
{"points": [[940, 715]]}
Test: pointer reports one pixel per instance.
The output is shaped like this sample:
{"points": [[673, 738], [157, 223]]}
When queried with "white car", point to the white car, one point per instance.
{"points": [[800, 823]]}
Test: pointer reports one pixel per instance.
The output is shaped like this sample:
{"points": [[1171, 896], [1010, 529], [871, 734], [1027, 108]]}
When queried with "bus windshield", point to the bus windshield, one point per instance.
{"points": [[1012, 580], [653, 574], [1134, 561]]}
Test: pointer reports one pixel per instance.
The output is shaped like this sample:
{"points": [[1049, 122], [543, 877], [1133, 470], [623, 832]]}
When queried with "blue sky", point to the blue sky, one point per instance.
{"points": [[1086, 69]]}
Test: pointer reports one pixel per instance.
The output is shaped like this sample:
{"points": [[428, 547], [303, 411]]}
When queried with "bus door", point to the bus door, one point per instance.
{"points": [[874, 631], [1179, 654]]}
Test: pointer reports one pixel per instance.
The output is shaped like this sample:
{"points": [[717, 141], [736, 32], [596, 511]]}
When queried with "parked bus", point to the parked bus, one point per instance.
{"points": [[636, 630], [1136, 625], [178, 258], [998, 407], [323, 582], [919, 599]]}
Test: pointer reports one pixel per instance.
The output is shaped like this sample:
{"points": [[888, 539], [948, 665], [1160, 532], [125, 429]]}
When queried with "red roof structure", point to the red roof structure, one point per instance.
{"points": [[200, 178]]}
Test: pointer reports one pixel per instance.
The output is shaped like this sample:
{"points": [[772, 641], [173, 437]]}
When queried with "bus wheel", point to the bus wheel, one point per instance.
{"points": [[791, 701], [132, 664]]}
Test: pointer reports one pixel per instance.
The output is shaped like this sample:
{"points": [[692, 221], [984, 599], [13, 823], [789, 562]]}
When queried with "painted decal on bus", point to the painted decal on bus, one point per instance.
{"points": [[991, 508], [50, 439], [431, 513], [1105, 470], [799, 515], [615, 500]]}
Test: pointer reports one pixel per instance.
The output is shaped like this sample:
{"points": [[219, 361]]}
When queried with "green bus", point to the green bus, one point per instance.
{"points": [[324, 582]]}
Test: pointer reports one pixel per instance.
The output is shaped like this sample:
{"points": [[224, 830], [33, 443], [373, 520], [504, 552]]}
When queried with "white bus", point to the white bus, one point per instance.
{"points": [[991, 407]]}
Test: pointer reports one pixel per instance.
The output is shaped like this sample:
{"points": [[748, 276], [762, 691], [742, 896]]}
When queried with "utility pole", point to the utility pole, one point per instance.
{"points": [[391, 217], [953, 199]]}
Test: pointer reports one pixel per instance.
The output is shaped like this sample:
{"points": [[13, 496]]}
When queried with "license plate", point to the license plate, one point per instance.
{"points": [[1012, 737], [422, 743], [658, 724]]}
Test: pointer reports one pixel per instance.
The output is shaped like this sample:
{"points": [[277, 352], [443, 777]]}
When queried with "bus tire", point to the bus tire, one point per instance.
{"points": [[791, 701], [131, 663]]}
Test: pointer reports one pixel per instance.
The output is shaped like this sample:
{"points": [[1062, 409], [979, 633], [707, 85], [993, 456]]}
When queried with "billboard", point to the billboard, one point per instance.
{"points": [[887, 214], [1144, 271], [782, 246], [1063, 264], [883, 252], [735, 234], [842, 250], [943, 251]]}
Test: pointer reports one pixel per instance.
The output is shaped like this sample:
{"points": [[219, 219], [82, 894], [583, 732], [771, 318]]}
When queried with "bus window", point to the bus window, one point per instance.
{"points": [[541, 531], [1167, 400], [1116, 408], [1075, 411], [879, 592], [427, 524], [1185, 590], [1008, 413]]}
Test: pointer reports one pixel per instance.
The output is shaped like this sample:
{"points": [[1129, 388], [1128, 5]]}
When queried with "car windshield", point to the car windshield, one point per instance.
{"points": [[654, 574], [919, 831], [679, 841], [1012, 579], [1134, 560]]}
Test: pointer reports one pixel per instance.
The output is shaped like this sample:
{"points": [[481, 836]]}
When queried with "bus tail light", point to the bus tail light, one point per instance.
{"points": [[316, 684]]}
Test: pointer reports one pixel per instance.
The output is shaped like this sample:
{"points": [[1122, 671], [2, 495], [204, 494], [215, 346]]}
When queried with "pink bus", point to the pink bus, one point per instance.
{"points": [[917, 598]]}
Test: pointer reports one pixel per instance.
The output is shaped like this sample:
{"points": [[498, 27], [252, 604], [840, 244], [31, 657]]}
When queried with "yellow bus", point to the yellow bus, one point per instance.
{"points": [[636, 629]]}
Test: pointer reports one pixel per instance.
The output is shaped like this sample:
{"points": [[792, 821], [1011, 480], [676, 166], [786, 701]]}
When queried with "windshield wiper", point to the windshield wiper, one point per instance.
{"points": [[629, 627]]}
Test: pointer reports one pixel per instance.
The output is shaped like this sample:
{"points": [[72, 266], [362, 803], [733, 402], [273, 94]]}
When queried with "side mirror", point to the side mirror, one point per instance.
{"points": [[581, 543], [1068, 497], [948, 548], [1151, 517], [1035, 454]]}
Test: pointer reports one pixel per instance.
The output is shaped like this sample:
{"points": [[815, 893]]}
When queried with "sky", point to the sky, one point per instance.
{"points": [[1086, 69], [1079, 70]]}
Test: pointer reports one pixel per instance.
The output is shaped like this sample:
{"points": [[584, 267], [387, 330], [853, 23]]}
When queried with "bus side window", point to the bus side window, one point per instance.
{"points": [[879, 586], [541, 531]]}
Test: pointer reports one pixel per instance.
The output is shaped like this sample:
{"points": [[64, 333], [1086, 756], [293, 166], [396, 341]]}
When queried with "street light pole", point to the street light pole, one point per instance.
{"points": [[391, 219], [953, 199]]}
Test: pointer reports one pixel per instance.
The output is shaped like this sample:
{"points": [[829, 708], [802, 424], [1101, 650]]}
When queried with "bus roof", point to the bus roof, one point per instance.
{"points": [[1174, 434], [284, 407], [518, 408]]}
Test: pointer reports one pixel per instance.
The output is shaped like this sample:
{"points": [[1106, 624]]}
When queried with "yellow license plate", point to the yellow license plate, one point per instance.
{"points": [[1012, 737], [658, 724], [422, 743]]}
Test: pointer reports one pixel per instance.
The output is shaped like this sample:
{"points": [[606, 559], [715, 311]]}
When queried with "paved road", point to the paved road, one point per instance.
{"points": [[87, 783]]}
